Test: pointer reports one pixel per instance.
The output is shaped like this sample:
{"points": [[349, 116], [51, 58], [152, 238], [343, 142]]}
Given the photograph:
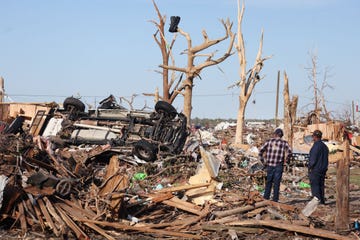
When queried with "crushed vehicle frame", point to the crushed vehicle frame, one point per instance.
{"points": [[143, 133]]}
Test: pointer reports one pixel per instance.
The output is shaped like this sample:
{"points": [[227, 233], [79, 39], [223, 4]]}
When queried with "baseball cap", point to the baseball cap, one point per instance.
{"points": [[317, 133], [279, 132]]}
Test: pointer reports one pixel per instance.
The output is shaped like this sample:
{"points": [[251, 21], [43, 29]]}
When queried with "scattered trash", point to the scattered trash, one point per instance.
{"points": [[311, 207]]}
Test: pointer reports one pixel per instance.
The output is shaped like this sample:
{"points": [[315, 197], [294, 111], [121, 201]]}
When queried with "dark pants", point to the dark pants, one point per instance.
{"points": [[274, 175], [317, 182]]}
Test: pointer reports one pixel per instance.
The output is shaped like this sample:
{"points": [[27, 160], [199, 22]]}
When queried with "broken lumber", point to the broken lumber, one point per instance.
{"points": [[184, 187], [240, 209], [48, 218], [218, 227], [186, 206], [290, 227], [143, 229]]}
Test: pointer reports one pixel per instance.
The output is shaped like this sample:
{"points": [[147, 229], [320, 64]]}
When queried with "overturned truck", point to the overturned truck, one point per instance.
{"points": [[142, 133]]}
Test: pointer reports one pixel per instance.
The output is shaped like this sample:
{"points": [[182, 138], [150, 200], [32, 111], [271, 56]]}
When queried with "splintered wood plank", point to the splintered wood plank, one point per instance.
{"points": [[48, 218], [183, 187], [172, 224], [159, 197], [39, 216], [143, 229], [22, 218], [99, 230], [240, 209], [74, 209], [30, 211], [59, 222], [255, 212], [114, 182], [219, 228], [186, 206], [80, 234], [77, 215], [203, 214], [291, 227]]}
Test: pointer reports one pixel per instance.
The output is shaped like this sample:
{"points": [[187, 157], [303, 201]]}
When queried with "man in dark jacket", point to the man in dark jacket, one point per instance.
{"points": [[318, 165], [277, 151]]}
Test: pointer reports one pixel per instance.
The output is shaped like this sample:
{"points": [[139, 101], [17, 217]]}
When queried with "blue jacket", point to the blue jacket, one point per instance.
{"points": [[319, 154]]}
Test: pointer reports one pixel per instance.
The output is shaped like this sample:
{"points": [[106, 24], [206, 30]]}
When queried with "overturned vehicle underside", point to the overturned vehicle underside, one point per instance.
{"points": [[142, 133]]}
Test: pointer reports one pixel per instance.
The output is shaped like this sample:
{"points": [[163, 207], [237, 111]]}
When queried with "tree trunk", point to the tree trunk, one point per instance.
{"points": [[187, 103], [290, 107], [240, 121]]}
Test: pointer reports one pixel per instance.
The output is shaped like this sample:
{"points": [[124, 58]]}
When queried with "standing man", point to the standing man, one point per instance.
{"points": [[277, 152], [318, 165]]}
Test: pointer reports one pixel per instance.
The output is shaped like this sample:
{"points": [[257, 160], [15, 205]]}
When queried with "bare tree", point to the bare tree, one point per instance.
{"points": [[325, 85], [319, 102], [248, 79], [184, 86]]}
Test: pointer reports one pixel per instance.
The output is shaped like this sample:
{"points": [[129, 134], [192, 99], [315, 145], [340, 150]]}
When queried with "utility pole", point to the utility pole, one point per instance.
{"points": [[2, 89], [342, 190], [277, 99], [353, 113]]}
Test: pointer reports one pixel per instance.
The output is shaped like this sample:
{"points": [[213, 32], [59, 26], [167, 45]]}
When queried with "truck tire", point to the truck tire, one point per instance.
{"points": [[72, 103], [145, 150], [166, 108]]}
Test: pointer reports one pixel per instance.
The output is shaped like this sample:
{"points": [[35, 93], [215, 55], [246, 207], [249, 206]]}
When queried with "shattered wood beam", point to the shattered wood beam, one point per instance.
{"points": [[80, 234], [342, 190], [39, 216], [22, 219], [159, 197], [290, 227], [204, 213], [184, 187], [172, 224], [219, 228], [143, 229], [114, 182], [48, 218], [240, 209], [59, 222], [30, 210], [74, 207], [77, 215], [180, 204]]}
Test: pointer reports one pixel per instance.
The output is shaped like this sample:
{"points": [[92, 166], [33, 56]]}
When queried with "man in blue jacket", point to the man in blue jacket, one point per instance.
{"points": [[318, 165]]}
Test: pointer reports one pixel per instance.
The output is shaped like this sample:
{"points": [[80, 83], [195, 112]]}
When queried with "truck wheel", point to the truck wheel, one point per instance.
{"points": [[63, 188], [165, 108], [145, 150], [72, 103]]}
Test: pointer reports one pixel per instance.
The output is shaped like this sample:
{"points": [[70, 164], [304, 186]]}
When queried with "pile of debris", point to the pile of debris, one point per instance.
{"points": [[118, 174]]}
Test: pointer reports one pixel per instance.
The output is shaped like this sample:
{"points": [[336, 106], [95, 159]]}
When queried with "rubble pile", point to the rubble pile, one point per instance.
{"points": [[55, 186]]}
